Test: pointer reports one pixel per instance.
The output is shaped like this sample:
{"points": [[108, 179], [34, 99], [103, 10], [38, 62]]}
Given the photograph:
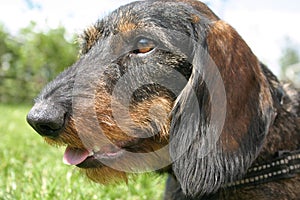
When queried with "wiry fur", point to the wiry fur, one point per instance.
{"points": [[261, 114]]}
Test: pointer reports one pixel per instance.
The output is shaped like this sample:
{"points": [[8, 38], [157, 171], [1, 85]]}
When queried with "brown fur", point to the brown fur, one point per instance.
{"points": [[88, 39], [223, 44]]}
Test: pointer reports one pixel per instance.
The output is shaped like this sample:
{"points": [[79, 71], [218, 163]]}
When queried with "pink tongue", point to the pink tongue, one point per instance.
{"points": [[75, 156]]}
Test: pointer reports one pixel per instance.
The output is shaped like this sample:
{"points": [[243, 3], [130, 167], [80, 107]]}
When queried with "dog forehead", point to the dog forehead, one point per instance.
{"points": [[172, 14], [143, 13], [135, 15], [147, 15]]}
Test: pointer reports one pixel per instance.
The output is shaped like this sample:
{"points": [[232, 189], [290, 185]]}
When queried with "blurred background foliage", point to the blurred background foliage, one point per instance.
{"points": [[290, 62], [30, 59]]}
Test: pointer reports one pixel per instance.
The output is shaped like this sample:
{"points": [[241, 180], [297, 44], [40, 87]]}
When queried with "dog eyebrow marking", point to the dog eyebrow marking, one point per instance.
{"points": [[195, 19], [88, 39], [125, 26]]}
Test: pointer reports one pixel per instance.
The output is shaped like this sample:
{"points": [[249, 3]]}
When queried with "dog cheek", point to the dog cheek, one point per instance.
{"points": [[153, 116]]}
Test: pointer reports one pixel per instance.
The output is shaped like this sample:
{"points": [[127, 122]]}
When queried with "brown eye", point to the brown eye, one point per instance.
{"points": [[144, 45]]}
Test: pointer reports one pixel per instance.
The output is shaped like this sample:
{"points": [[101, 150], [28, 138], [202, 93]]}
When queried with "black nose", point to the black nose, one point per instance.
{"points": [[47, 120]]}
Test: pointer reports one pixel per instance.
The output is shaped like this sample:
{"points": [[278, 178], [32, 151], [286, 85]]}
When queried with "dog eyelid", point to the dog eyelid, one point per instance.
{"points": [[144, 45]]}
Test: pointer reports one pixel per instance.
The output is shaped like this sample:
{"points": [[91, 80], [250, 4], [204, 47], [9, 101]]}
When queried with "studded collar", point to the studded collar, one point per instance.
{"points": [[285, 165]]}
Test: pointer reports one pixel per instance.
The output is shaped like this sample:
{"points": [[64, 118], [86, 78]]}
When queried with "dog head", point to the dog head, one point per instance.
{"points": [[159, 85]]}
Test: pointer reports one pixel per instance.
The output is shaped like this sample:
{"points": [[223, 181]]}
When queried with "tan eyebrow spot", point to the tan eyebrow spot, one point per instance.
{"points": [[126, 27], [195, 19]]}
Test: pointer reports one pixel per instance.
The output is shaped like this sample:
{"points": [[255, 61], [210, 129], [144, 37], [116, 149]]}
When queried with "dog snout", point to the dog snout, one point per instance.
{"points": [[47, 120]]}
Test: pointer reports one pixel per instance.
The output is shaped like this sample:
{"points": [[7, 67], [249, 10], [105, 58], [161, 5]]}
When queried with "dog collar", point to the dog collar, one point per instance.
{"points": [[285, 165]]}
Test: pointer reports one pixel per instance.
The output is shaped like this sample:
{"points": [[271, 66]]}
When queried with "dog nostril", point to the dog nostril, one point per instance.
{"points": [[44, 128], [48, 122], [48, 130]]}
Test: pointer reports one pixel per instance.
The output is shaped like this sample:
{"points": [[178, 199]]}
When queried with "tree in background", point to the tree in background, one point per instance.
{"points": [[31, 59], [290, 56]]}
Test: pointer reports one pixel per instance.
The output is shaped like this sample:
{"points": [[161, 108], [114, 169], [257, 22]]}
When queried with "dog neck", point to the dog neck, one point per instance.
{"points": [[280, 155], [284, 133]]}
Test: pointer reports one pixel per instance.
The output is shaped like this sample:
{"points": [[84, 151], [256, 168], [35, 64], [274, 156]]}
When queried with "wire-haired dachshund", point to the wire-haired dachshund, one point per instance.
{"points": [[167, 86]]}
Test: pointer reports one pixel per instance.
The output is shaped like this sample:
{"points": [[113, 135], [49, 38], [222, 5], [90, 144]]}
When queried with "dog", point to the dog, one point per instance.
{"points": [[167, 86]]}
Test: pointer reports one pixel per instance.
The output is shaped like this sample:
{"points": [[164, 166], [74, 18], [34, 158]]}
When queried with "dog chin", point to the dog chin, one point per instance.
{"points": [[96, 165], [105, 175]]}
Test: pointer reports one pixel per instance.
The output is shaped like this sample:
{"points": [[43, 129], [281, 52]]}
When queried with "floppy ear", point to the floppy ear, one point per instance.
{"points": [[207, 150]]}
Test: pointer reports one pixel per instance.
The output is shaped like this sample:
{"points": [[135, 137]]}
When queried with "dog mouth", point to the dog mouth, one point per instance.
{"points": [[84, 158]]}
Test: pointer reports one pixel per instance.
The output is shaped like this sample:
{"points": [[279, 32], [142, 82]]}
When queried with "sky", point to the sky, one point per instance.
{"points": [[264, 24]]}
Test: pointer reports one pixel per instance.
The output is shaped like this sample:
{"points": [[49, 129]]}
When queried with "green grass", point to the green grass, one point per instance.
{"points": [[31, 169]]}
